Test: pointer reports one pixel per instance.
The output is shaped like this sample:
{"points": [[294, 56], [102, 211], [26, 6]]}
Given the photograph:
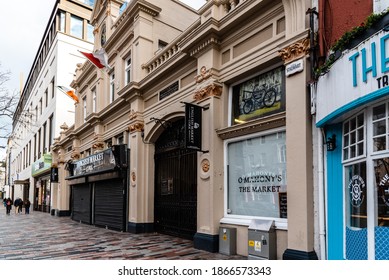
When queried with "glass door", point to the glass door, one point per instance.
{"points": [[366, 183], [381, 211]]}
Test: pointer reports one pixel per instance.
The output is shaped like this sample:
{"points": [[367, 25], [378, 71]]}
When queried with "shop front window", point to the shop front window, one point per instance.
{"points": [[381, 168], [380, 134], [354, 137], [259, 96], [256, 176], [356, 209], [366, 183]]}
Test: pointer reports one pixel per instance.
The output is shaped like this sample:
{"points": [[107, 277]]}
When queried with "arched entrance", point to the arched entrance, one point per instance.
{"points": [[175, 211]]}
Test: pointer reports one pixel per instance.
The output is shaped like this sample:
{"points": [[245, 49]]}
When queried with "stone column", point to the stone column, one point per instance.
{"points": [[299, 153]]}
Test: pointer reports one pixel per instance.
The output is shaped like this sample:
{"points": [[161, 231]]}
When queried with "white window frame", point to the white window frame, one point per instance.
{"points": [[369, 157], [280, 223], [84, 110], [112, 87], [94, 100], [127, 70]]}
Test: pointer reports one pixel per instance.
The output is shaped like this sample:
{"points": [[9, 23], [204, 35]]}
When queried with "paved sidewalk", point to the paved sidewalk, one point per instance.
{"points": [[40, 236]]}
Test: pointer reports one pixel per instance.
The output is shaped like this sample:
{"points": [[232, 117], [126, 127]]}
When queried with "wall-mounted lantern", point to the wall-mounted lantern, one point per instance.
{"points": [[331, 143]]}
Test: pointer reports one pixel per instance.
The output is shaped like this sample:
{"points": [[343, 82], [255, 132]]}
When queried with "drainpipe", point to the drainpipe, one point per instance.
{"points": [[312, 52], [321, 182]]}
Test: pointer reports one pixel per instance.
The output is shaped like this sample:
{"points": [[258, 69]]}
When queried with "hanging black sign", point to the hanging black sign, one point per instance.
{"points": [[54, 175], [193, 126]]}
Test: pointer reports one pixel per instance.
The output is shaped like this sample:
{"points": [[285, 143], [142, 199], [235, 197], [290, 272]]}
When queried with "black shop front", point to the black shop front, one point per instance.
{"points": [[98, 186]]}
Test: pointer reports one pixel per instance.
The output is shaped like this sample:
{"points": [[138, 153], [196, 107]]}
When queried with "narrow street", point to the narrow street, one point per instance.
{"points": [[39, 236]]}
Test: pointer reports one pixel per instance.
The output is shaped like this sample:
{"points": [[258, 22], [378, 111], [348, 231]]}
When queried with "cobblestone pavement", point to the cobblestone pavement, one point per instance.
{"points": [[40, 236]]}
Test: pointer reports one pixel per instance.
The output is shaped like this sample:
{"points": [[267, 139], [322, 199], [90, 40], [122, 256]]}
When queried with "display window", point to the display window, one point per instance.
{"points": [[259, 96], [366, 183], [256, 176]]}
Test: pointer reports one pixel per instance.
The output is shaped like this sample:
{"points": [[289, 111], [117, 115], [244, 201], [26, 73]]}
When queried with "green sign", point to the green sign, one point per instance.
{"points": [[42, 165]]}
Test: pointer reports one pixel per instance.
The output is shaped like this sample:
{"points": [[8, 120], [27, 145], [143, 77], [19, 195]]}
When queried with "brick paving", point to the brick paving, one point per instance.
{"points": [[39, 236]]}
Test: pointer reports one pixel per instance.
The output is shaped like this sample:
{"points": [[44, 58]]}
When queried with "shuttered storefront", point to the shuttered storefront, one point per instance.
{"points": [[81, 203], [109, 204]]}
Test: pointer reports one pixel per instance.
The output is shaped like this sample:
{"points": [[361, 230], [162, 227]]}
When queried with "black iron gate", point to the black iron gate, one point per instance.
{"points": [[175, 185]]}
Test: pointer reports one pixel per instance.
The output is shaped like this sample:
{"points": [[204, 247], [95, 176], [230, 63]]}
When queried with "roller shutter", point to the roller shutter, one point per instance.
{"points": [[109, 208], [81, 201]]}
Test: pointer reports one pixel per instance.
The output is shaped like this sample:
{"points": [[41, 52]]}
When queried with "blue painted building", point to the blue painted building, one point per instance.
{"points": [[352, 102]]}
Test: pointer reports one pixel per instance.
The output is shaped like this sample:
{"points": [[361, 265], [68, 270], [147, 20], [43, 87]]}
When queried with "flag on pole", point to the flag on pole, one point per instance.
{"points": [[69, 92], [98, 58]]}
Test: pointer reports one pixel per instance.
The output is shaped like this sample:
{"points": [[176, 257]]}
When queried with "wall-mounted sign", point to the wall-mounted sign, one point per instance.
{"points": [[42, 165], [168, 90], [294, 67], [193, 126], [54, 175], [359, 76], [98, 162]]}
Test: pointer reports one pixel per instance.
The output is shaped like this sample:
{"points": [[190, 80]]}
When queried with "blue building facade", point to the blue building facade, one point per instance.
{"points": [[353, 115]]}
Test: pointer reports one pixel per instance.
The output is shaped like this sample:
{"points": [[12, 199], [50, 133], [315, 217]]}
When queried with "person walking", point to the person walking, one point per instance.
{"points": [[16, 204], [27, 205], [20, 206], [8, 206]]}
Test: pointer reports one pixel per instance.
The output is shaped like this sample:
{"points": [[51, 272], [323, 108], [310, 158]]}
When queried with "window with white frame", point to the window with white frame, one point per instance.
{"points": [[112, 87], [354, 137], [256, 178], [84, 111], [128, 71], [94, 100], [366, 182]]}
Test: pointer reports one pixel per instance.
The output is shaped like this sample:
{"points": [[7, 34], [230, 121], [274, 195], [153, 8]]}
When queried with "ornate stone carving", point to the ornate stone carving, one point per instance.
{"points": [[205, 164], [136, 127], [133, 115], [75, 155], [204, 74], [98, 146], [133, 177], [295, 51], [208, 91], [64, 127]]}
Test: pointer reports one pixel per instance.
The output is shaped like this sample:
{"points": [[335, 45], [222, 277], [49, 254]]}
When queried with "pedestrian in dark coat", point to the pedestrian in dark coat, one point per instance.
{"points": [[27, 205], [8, 206], [16, 204], [20, 208]]}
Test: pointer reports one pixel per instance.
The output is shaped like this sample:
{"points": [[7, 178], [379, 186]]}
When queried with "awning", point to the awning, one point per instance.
{"points": [[21, 182]]}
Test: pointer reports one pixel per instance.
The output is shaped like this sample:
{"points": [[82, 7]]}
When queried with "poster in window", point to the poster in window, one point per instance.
{"points": [[356, 205], [257, 176], [259, 96]]}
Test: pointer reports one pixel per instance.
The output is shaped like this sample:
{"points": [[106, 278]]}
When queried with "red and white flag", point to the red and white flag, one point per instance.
{"points": [[98, 58]]}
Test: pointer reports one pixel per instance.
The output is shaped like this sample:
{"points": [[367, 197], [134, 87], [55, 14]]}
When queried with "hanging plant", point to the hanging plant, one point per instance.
{"points": [[343, 42]]}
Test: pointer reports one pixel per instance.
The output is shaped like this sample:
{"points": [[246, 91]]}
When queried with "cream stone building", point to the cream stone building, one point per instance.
{"points": [[201, 122]]}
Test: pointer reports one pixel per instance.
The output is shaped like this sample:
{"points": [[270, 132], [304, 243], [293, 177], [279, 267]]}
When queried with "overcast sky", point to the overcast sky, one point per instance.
{"points": [[22, 28]]}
